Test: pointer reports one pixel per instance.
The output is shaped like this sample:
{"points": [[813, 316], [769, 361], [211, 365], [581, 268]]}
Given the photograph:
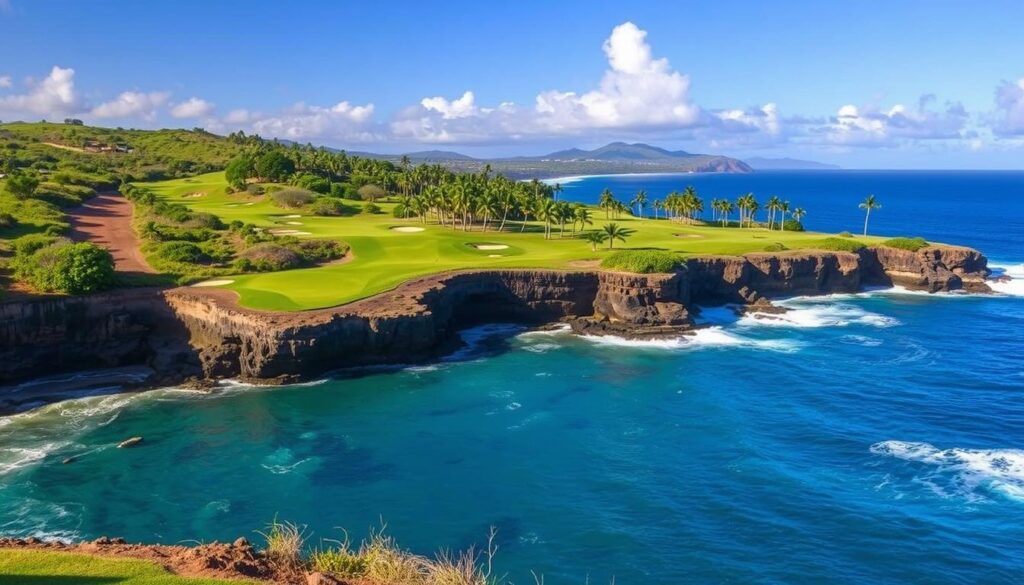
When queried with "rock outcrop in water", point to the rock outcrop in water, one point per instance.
{"points": [[204, 334]]}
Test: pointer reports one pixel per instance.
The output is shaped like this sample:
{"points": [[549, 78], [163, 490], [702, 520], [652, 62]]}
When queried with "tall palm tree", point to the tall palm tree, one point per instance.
{"points": [[869, 203], [657, 205], [616, 232], [772, 206], [555, 190], [547, 211], [783, 209], [605, 201], [581, 215], [640, 200]]}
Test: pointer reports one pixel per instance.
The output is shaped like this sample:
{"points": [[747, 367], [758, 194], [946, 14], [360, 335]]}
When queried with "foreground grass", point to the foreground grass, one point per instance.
{"points": [[37, 567], [385, 258]]}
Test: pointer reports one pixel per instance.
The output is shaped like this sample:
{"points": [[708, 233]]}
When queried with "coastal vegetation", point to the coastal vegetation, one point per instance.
{"points": [[641, 261], [869, 203], [912, 244], [47, 567]]}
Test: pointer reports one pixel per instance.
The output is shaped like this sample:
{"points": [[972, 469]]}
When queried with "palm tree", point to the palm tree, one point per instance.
{"points": [[657, 205], [616, 232], [605, 201], [581, 215], [772, 206], [798, 214], [547, 211], [555, 190], [783, 209], [595, 238], [640, 200], [869, 203]]}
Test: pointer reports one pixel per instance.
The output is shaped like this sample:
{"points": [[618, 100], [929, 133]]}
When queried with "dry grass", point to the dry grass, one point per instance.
{"points": [[284, 545]]}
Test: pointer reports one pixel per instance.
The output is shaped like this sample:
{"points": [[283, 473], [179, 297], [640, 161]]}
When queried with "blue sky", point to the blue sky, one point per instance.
{"points": [[936, 84]]}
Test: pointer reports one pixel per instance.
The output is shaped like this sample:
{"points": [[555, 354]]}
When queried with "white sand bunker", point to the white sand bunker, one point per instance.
{"points": [[490, 246], [407, 229], [195, 194], [288, 233], [495, 256], [213, 283], [292, 216], [293, 223]]}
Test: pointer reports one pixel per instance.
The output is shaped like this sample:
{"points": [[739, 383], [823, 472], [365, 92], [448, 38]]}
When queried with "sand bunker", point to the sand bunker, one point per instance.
{"points": [[213, 282], [407, 229], [293, 223], [288, 233], [697, 236], [495, 256], [292, 216], [196, 194], [490, 246]]}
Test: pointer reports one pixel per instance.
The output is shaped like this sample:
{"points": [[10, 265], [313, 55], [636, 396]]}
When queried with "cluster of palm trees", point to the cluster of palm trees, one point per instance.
{"points": [[687, 206]]}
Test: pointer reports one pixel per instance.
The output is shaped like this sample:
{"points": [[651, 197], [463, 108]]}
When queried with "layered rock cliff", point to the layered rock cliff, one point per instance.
{"points": [[197, 333]]}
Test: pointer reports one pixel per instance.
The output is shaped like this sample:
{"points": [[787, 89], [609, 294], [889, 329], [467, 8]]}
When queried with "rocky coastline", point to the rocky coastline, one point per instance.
{"points": [[189, 335]]}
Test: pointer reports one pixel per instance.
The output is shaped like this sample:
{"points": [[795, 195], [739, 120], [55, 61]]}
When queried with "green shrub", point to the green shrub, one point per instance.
{"points": [[370, 192], [312, 182], [7, 220], [269, 257], [255, 189], [641, 261], [27, 245], [371, 208], [69, 268], [776, 247], [912, 244], [337, 190], [836, 245], [292, 198], [206, 220], [792, 225], [314, 251], [340, 562], [185, 252], [329, 207]]}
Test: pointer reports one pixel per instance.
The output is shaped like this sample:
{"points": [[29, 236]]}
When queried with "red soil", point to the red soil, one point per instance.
{"points": [[106, 220]]}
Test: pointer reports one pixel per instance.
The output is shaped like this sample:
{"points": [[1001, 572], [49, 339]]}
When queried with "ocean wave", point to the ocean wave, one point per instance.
{"points": [[971, 474], [802, 313], [706, 337], [1013, 287]]}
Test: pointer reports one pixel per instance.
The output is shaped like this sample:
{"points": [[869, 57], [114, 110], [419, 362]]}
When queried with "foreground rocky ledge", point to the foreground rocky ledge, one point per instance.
{"points": [[189, 333]]}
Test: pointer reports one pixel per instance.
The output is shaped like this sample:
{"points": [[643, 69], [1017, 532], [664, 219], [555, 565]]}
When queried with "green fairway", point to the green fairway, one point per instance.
{"points": [[38, 567], [384, 257]]}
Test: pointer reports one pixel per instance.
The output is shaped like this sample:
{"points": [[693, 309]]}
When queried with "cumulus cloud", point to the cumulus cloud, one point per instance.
{"points": [[192, 108], [53, 96], [1010, 103], [131, 104], [636, 91], [5, 81], [342, 121], [866, 126]]}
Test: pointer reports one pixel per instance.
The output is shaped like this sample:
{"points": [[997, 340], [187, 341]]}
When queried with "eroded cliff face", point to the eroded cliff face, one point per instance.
{"points": [[185, 333]]}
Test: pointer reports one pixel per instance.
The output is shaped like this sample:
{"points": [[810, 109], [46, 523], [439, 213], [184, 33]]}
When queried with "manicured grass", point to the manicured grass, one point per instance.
{"points": [[37, 567], [385, 258]]}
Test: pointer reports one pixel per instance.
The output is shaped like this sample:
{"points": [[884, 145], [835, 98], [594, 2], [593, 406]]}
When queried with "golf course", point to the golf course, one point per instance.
{"points": [[387, 251]]}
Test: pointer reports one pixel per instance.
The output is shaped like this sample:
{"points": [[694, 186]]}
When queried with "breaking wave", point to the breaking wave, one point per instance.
{"points": [[972, 474]]}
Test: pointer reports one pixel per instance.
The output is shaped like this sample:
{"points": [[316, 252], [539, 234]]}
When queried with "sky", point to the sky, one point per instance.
{"points": [[867, 84]]}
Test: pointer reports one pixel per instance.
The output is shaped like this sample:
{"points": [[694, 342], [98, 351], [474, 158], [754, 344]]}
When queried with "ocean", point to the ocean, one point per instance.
{"points": [[871, 438]]}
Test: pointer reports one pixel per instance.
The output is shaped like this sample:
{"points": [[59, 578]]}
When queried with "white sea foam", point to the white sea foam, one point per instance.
{"points": [[860, 340], [966, 473], [803, 313], [701, 338], [1013, 287]]}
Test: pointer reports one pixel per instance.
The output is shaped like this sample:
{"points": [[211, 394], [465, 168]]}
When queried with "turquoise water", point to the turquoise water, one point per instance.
{"points": [[874, 438]]}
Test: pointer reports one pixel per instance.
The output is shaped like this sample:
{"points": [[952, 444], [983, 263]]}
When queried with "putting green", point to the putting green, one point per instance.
{"points": [[386, 257]]}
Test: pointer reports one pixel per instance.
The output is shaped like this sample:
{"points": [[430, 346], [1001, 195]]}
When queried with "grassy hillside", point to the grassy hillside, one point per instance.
{"points": [[37, 567], [384, 258]]}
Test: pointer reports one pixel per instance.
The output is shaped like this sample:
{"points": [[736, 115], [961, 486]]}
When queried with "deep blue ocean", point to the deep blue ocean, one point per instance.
{"points": [[874, 438]]}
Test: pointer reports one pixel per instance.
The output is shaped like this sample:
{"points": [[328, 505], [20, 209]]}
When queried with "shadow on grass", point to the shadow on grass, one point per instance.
{"points": [[57, 580]]}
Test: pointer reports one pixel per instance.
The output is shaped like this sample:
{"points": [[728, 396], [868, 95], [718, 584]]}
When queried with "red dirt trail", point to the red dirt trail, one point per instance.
{"points": [[106, 220]]}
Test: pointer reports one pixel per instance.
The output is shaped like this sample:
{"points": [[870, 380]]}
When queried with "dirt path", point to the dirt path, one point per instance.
{"points": [[106, 220]]}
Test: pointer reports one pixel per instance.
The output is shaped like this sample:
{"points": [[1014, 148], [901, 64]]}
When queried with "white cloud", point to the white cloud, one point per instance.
{"points": [[53, 96], [764, 119], [192, 108], [867, 126], [343, 121], [131, 104], [636, 92], [1010, 102], [5, 81]]}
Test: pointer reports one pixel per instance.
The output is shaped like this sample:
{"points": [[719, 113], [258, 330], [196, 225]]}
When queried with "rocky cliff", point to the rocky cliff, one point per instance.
{"points": [[185, 333]]}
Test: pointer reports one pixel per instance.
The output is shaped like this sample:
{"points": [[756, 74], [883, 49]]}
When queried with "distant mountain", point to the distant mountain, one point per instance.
{"points": [[619, 151], [614, 158], [775, 164]]}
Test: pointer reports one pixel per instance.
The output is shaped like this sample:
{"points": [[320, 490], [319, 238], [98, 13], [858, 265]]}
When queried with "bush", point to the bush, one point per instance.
{"points": [[7, 220], [27, 245], [292, 198], [314, 251], [337, 190], [70, 268], [776, 247], [837, 245], [206, 220], [312, 182], [255, 189], [912, 244], [845, 234], [269, 257], [792, 225], [327, 207], [185, 252], [371, 208], [641, 261], [370, 192]]}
